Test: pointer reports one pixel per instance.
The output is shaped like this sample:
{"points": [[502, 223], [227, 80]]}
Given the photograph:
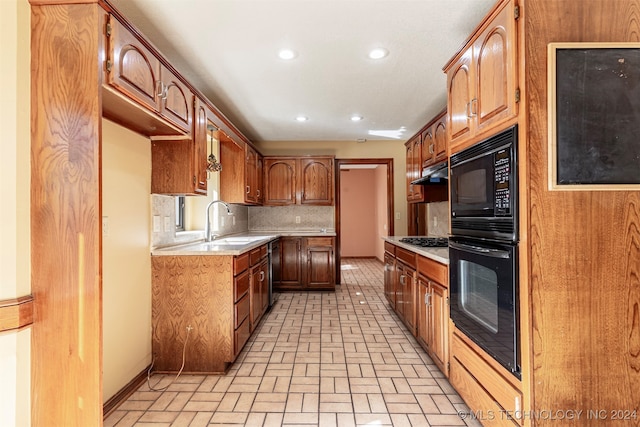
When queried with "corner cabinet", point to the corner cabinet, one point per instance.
{"points": [[482, 87], [413, 149], [299, 181], [306, 263]]}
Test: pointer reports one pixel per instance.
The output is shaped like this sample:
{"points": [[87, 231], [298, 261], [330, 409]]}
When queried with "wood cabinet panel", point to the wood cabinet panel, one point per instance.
{"points": [[242, 309], [306, 263], [316, 181], [320, 266], [176, 100], [280, 181], [299, 180], [389, 278], [290, 263], [241, 285], [482, 80], [239, 182]]}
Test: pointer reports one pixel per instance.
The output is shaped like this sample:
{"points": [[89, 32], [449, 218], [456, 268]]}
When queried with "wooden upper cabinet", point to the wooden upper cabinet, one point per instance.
{"points": [[137, 74], [175, 100], [482, 79], [298, 180], [251, 175], [414, 147], [239, 182], [279, 181], [316, 179], [201, 137], [440, 139], [132, 68]]}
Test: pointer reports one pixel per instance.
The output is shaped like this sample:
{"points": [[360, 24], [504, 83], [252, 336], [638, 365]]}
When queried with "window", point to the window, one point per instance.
{"points": [[180, 213]]}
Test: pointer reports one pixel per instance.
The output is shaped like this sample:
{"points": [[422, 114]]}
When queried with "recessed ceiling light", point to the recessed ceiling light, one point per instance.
{"points": [[378, 53], [302, 118], [356, 118], [287, 54]]}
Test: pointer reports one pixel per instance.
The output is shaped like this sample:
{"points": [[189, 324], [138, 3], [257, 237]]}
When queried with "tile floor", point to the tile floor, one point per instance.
{"points": [[316, 359]]}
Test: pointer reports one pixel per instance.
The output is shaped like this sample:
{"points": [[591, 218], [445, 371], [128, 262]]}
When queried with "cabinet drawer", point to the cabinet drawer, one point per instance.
{"points": [[408, 257], [257, 254], [241, 310], [389, 247], [319, 241], [495, 387], [433, 270], [241, 336], [240, 263], [240, 285]]}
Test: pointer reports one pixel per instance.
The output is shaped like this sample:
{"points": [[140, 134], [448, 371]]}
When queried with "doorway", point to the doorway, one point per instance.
{"points": [[377, 215]]}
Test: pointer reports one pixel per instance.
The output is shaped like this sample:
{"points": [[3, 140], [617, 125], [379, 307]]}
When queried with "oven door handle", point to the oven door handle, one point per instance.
{"points": [[495, 253]]}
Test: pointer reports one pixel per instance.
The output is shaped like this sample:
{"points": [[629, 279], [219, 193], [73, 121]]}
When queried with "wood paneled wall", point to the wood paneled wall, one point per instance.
{"points": [[584, 246], [65, 216]]}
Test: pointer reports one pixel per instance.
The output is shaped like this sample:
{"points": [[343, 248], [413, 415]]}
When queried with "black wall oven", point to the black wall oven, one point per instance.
{"points": [[483, 248]]}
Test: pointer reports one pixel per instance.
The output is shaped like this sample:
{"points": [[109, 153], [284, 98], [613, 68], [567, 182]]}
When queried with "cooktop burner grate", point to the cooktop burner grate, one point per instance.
{"points": [[427, 242]]}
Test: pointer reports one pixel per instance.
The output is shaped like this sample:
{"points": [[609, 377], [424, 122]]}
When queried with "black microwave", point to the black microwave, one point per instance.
{"points": [[483, 186]]}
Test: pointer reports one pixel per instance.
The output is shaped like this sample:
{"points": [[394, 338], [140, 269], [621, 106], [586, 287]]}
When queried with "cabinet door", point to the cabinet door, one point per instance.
{"points": [[495, 63], [176, 100], [201, 143], [290, 271], [459, 95], [428, 146], [423, 319], [280, 181], [389, 279], [316, 181], [320, 266], [260, 179], [256, 295], [409, 296], [134, 70], [264, 283], [439, 324], [251, 179], [401, 285], [409, 170], [440, 139], [416, 168]]}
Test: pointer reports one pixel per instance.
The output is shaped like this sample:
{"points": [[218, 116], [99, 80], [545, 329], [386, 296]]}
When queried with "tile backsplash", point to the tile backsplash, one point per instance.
{"points": [[438, 219], [280, 218]]}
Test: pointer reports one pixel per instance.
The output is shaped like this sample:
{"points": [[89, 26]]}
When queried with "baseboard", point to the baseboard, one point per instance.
{"points": [[124, 393]]}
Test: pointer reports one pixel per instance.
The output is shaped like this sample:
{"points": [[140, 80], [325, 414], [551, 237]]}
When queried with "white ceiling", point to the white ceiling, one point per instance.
{"points": [[228, 49]]}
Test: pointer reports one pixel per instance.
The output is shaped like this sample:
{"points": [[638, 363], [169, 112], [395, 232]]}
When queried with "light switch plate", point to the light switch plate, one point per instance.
{"points": [[167, 224], [156, 224]]}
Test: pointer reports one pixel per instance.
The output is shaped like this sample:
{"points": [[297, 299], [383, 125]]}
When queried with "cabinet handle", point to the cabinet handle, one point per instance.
{"points": [[262, 276], [258, 193], [427, 299], [430, 148], [402, 279], [161, 90], [474, 107], [248, 189]]}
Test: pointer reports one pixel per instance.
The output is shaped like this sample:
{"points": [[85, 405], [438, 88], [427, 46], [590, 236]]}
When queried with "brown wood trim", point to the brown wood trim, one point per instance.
{"points": [[16, 313], [123, 394], [59, 2]]}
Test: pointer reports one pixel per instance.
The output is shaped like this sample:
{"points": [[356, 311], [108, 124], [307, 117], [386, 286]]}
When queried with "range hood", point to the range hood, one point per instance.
{"points": [[435, 174]]}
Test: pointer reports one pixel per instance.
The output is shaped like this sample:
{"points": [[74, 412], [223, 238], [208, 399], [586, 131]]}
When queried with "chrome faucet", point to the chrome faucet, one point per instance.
{"points": [[207, 225]]}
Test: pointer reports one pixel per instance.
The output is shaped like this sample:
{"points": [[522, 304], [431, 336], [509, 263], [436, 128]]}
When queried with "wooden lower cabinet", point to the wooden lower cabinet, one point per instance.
{"points": [[306, 263], [417, 289], [390, 277], [433, 311], [209, 302]]}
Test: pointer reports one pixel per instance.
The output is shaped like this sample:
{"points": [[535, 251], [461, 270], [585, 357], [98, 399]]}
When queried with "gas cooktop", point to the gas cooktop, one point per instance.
{"points": [[427, 242]]}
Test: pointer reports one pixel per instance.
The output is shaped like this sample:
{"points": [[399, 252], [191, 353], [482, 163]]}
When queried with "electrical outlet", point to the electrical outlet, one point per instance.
{"points": [[397, 215], [105, 225], [297, 219], [156, 224], [167, 224]]}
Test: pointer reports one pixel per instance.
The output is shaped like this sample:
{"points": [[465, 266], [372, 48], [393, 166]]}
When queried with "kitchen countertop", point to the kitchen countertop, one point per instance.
{"points": [[233, 244], [440, 255]]}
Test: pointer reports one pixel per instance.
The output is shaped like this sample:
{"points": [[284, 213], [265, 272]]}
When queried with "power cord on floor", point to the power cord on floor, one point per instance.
{"points": [[184, 354]]}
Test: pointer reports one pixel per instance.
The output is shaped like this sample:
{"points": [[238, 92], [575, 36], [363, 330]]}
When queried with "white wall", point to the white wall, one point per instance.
{"points": [[126, 284], [15, 347]]}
